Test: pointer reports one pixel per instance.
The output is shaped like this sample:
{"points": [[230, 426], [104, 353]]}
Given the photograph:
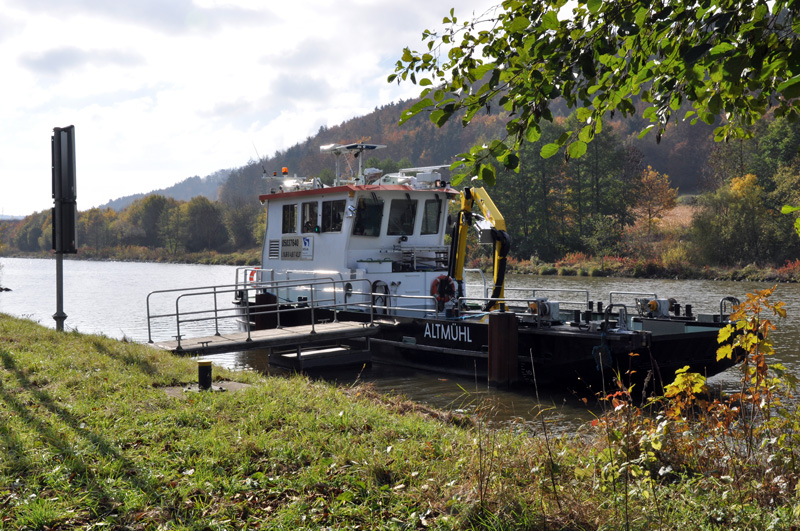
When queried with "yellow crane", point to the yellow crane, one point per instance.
{"points": [[502, 242]]}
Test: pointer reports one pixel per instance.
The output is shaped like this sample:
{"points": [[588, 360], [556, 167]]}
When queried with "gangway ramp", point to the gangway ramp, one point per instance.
{"points": [[296, 347]]}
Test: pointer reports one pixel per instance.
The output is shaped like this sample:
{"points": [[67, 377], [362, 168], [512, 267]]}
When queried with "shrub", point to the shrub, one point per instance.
{"points": [[596, 272], [789, 271]]}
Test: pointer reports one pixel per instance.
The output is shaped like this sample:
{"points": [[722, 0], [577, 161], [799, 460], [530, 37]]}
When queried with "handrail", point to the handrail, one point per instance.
{"points": [[336, 301], [483, 277], [612, 293], [732, 300], [323, 293], [534, 291]]}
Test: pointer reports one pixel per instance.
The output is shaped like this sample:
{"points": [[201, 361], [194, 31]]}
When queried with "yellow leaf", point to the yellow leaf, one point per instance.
{"points": [[725, 351], [724, 334]]}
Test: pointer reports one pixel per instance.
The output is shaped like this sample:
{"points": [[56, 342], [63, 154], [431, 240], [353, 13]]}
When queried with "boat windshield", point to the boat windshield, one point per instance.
{"points": [[431, 216], [402, 214], [332, 215], [369, 214]]}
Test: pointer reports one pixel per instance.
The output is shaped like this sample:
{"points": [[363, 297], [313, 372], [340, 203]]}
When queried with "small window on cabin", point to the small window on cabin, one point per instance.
{"points": [[332, 215], [402, 214], [431, 216], [369, 214], [309, 217], [289, 219]]}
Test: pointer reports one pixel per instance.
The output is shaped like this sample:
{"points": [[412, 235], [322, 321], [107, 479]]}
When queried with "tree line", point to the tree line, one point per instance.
{"points": [[155, 222], [553, 206]]}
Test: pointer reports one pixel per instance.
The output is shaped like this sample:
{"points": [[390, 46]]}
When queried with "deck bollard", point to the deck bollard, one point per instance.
{"points": [[502, 369], [204, 375]]}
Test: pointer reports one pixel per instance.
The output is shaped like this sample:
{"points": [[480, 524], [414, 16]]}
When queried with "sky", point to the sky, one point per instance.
{"points": [[162, 90]]}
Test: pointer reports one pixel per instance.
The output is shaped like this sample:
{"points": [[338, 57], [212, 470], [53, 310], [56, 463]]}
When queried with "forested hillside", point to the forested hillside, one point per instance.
{"points": [[608, 203], [185, 190]]}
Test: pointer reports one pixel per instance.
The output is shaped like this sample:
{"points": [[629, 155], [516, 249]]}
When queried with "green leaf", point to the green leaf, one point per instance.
{"points": [[424, 82], [518, 24], [586, 134], [788, 209], [583, 114], [510, 161], [695, 53], [488, 174], [550, 21], [533, 133], [415, 109], [576, 149], [645, 131], [715, 104], [790, 88], [440, 117], [480, 71], [721, 48], [594, 5], [548, 150]]}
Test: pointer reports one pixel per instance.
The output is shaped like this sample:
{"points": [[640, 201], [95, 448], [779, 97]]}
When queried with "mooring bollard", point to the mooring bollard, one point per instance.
{"points": [[502, 363], [204, 375]]}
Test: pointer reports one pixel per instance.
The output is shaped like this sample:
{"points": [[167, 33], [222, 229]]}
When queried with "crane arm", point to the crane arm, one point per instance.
{"points": [[502, 242]]}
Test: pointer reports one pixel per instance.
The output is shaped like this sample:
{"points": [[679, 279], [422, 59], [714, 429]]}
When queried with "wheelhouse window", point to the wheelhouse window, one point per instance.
{"points": [[369, 214], [309, 217], [431, 216], [332, 215], [289, 219], [402, 214]]}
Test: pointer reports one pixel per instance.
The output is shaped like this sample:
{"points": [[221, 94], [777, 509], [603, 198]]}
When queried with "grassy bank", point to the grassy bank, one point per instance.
{"points": [[96, 433]]}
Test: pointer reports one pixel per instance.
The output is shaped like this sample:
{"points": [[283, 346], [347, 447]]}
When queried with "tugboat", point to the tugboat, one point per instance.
{"points": [[372, 248]]}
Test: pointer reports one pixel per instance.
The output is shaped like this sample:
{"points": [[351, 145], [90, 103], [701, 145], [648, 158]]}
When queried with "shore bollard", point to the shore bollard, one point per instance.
{"points": [[204, 375]]}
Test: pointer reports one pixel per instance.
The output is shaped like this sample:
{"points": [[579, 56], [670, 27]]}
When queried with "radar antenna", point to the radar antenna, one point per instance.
{"points": [[260, 160]]}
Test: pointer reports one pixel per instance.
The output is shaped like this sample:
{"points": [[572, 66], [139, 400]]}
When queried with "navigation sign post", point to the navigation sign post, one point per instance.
{"points": [[65, 209]]}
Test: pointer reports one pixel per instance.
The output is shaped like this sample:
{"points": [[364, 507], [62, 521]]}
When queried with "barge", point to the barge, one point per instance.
{"points": [[372, 248]]}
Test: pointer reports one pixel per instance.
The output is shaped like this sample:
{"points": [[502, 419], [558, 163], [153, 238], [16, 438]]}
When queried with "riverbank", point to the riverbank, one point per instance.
{"points": [[574, 264], [578, 264], [98, 432]]}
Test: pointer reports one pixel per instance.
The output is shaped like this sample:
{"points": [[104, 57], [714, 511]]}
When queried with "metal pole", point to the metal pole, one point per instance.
{"points": [[59, 316], [216, 317]]}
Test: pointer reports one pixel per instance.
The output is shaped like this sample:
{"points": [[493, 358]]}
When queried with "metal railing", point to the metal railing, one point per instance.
{"points": [[535, 291], [485, 291], [634, 293], [297, 295]]}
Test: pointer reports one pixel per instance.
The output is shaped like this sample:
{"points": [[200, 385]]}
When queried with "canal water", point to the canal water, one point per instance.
{"points": [[109, 298]]}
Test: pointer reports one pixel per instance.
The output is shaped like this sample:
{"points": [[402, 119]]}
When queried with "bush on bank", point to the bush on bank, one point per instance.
{"points": [[91, 437]]}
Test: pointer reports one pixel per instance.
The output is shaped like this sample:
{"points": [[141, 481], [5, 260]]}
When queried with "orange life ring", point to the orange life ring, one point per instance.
{"points": [[253, 274], [443, 288]]}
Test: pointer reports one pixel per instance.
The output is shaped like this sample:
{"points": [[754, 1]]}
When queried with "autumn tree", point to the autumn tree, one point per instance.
{"points": [[654, 196], [205, 227], [172, 227], [96, 228], [145, 215], [238, 198]]}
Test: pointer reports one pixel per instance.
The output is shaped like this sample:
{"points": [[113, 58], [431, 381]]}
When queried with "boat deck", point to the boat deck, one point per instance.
{"points": [[287, 337]]}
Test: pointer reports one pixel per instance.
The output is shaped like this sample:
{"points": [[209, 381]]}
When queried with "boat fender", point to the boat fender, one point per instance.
{"points": [[443, 288], [253, 274]]}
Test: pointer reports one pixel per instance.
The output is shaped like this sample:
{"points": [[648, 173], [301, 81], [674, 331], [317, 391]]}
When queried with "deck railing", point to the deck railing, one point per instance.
{"points": [[200, 305]]}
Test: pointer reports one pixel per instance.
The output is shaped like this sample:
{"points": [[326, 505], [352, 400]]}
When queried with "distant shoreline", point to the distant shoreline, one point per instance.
{"points": [[570, 266]]}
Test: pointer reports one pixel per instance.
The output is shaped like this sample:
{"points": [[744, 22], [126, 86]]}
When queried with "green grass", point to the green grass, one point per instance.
{"points": [[89, 438]]}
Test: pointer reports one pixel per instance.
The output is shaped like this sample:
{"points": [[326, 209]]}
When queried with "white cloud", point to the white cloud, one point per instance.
{"points": [[161, 90]]}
